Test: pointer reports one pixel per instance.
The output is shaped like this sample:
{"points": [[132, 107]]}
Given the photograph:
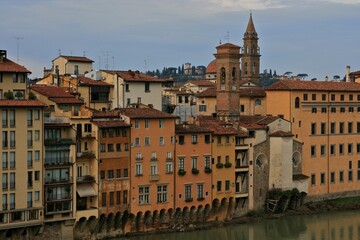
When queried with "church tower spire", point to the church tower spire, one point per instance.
{"points": [[250, 57]]}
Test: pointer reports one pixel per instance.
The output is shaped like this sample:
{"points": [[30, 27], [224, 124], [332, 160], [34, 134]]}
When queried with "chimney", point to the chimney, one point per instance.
{"points": [[347, 78], [326, 78], [2, 55]]}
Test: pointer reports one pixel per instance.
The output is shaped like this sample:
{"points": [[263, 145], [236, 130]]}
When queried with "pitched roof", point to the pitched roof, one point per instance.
{"points": [[75, 58], [9, 66], [111, 123], [218, 127], [288, 85], [105, 114], [210, 92], [21, 103], [252, 92], [144, 113], [202, 83], [191, 128], [281, 134], [255, 119], [228, 45], [299, 177], [136, 76], [60, 95], [90, 82], [211, 67]]}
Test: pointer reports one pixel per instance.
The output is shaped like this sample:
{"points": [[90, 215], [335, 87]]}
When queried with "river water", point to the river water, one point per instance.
{"points": [[328, 226]]}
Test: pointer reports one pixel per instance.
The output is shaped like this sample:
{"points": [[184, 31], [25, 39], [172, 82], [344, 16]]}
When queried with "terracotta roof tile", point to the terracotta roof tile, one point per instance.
{"points": [[144, 113], [90, 82], [191, 128], [111, 123], [314, 86], [218, 127], [252, 92], [75, 58], [60, 95], [9, 66], [210, 92], [105, 114], [212, 67], [136, 76], [203, 83], [260, 120], [299, 177], [281, 134], [72, 100], [21, 103], [251, 126]]}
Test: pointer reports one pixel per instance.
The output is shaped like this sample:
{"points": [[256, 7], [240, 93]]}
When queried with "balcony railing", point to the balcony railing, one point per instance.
{"points": [[4, 165], [29, 184], [87, 134], [62, 141], [29, 123], [85, 154], [29, 143], [12, 123], [5, 206], [12, 185], [12, 143], [58, 180], [4, 123], [4, 185], [58, 197], [29, 163], [12, 164], [56, 161], [12, 206], [154, 177], [86, 178], [55, 120], [29, 204], [139, 158]]}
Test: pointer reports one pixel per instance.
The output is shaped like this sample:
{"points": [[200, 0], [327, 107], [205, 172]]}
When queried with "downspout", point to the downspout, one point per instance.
{"points": [[328, 143]]}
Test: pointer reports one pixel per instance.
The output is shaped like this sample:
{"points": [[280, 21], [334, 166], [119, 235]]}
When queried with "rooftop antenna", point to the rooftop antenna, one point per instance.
{"points": [[99, 62], [227, 37], [70, 52], [250, 12], [59, 51], [106, 60], [220, 41], [84, 53], [145, 66], [18, 47], [113, 63]]}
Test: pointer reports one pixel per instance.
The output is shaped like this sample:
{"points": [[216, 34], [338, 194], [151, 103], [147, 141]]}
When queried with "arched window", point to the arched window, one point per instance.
{"points": [[253, 67], [246, 68], [261, 160], [233, 74], [223, 75], [297, 102]]}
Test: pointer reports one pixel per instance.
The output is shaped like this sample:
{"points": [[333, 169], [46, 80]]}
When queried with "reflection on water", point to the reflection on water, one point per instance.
{"points": [[328, 226]]}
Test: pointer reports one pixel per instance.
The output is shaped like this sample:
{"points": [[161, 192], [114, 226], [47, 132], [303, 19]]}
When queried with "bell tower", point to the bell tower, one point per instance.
{"points": [[250, 57], [227, 81]]}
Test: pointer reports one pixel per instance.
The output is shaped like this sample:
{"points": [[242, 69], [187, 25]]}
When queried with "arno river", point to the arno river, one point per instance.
{"points": [[327, 226]]}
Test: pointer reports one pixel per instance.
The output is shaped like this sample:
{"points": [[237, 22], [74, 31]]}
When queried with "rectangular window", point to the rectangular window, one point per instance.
{"points": [[181, 139], [137, 142], [350, 127], [313, 97], [118, 197], [102, 174], [111, 198], [188, 193], [323, 110], [358, 127], [37, 196], [144, 195], [147, 141], [323, 97], [314, 110], [313, 151], [4, 160], [313, 179], [351, 109], [103, 199], [138, 169], [305, 97], [161, 141], [4, 118], [169, 167], [322, 178], [126, 173], [358, 148], [137, 123], [313, 128], [194, 162], [29, 139], [12, 160], [342, 97], [29, 199], [110, 174], [219, 140], [200, 191], [29, 118], [125, 197], [332, 177], [342, 109], [333, 110], [194, 139], [12, 117], [181, 163], [37, 135], [332, 149], [118, 147], [322, 150], [147, 87], [323, 128], [102, 147], [341, 149], [118, 173], [147, 123], [87, 128], [4, 139], [29, 159], [341, 176], [162, 193], [218, 186], [332, 128], [341, 127], [227, 185], [161, 123], [110, 147], [350, 148], [207, 161], [4, 181]]}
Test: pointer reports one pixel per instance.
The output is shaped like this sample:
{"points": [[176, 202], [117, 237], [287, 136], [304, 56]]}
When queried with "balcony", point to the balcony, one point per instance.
{"points": [[86, 178], [88, 154], [4, 185], [169, 159], [87, 134], [12, 143], [56, 120], [154, 177], [29, 143], [29, 163], [139, 158], [58, 197], [58, 161], [12, 206], [5, 206], [154, 159], [63, 141], [29, 184], [4, 123], [54, 181]]}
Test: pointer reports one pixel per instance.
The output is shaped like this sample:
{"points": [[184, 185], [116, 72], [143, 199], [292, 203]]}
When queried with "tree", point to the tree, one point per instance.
{"points": [[9, 95], [270, 73], [32, 96], [287, 74], [19, 95], [336, 77], [302, 75], [275, 75]]}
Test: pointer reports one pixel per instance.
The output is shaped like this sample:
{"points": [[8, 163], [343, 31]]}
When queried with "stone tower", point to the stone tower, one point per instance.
{"points": [[227, 81], [250, 57]]}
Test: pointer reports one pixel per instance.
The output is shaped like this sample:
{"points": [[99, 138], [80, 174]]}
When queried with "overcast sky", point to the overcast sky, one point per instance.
{"points": [[317, 37]]}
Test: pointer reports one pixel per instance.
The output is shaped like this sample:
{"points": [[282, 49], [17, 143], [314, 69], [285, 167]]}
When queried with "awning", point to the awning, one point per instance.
{"points": [[85, 190]]}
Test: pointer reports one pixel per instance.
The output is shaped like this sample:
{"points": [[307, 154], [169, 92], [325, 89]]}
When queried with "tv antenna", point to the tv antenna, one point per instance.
{"points": [[227, 36], [18, 47]]}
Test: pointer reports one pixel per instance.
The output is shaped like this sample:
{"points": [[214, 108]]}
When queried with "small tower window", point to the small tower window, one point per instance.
{"points": [[233, 74], [253, 67], [297, 102], [223, 75], [246, 68]]}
